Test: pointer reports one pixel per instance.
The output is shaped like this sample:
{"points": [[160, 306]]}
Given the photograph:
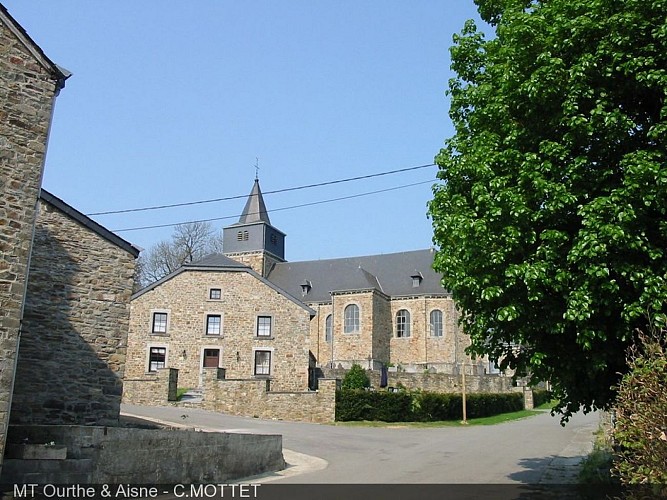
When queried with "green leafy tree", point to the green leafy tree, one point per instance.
{"points": [[356, 378], [551, 214]]}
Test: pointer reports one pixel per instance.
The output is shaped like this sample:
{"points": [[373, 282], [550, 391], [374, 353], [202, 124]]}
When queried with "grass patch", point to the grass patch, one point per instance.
{"points": [[596, 467], [496, 419], [180, 392], [548, 405]]}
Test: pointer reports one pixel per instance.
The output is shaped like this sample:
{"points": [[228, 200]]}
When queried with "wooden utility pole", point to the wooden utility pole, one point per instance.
{"points": [[463, 393]]}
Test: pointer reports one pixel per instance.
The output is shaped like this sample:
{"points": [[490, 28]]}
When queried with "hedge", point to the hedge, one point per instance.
{"points": [[420, 406], [541, 396]]}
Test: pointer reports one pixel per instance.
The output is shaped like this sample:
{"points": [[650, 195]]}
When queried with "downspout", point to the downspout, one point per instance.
{"points": [[426, 334], [333, 328]]}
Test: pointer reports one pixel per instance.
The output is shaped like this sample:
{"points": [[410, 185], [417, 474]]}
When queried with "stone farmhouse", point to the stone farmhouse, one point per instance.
{"points": [[65, 287], [253, 317], [29, 84]]}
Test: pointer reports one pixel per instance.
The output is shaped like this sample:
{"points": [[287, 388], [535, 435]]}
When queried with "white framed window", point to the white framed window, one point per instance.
{"points": [[262, 362], [436, 323], [351, 318], [157, 358], [328, 329], [264, 326], [159, 321], [403, 323], [213, 324]]}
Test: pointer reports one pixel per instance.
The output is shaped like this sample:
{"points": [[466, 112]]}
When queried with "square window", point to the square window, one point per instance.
{"points": [[157, 358], [262, 362], [159, 322], [213, 324], [264, 326], [215, 294]]}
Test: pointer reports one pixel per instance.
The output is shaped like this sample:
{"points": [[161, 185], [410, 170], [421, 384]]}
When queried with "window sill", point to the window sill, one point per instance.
{"points": [[213, 336], [260, 337], [159, 334]]}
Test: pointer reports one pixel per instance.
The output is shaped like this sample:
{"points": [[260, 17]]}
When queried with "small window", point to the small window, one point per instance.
{"points": [[215, 294], [351, 319], [274, 239], [239, 236], [328, 329], [262, 362], [157, 358], [436, 323], [403, 323], [159, 322], [213, 324], [264, 326]]}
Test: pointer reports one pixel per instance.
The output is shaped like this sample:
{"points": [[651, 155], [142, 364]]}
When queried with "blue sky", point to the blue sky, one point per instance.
{"points": [[172, 102]]}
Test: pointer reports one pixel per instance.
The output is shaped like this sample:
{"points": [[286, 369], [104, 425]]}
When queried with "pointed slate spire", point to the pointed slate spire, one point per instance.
{"points": [[255, 209]]}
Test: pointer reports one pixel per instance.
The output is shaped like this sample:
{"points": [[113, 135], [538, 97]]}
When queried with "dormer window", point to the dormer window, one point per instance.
{"points": [[305, 287], [416, 279]]}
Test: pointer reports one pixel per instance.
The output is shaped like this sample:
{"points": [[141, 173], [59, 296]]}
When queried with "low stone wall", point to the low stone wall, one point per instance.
{"points": [[158, 456], [254, 398], [155, 389], [434, 382]]}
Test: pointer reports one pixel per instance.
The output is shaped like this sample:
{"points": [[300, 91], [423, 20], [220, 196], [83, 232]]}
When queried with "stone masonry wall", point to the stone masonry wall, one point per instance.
{"points": [[154, 389], [72, 356], [421, 346], [147, 456], [254, 398], [185, 299], [377, 334], [436, 382], [26, 100]]}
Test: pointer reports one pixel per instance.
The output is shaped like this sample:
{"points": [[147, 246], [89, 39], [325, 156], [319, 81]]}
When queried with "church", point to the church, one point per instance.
{"points": [[253, 314]]}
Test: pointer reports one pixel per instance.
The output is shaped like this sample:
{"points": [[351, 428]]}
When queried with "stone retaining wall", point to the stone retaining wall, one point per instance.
{"points": [[253, 398], [434, 382], [154, 389], [157, 456]]}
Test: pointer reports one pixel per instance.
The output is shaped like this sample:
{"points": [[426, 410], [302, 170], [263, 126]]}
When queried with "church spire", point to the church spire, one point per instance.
{"points": [[255, 209]]}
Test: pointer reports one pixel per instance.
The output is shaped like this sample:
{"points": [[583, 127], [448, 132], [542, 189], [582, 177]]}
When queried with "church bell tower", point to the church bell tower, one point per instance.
{"points": [[253, 240]]}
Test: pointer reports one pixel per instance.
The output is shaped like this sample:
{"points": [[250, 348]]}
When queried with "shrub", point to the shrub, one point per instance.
{"points": [[541, 396], [641, 414], [356, 378], [420, 406]]}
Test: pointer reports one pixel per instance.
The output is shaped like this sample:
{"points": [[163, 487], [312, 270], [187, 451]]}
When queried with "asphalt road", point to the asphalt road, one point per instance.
{"points": [[518, 452]]}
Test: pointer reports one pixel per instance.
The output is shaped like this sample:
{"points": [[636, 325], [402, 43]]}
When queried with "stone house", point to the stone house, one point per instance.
{"points": [[74, 332], [65, 284], [65, 281], [255, 315], [219, 313], [29, 84]]}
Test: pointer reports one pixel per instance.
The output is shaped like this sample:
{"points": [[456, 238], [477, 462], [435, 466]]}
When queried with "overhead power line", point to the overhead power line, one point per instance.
{"points": [[285, 190], [279, 209]]}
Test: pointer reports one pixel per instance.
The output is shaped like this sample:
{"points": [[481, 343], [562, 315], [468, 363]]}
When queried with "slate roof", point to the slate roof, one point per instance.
{"points": [[391, 274], [255, 209], [60, 74], [218, 261]]}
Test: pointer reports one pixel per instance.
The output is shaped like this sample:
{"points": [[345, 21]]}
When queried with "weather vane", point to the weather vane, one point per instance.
{"points": [[256, 168]]}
